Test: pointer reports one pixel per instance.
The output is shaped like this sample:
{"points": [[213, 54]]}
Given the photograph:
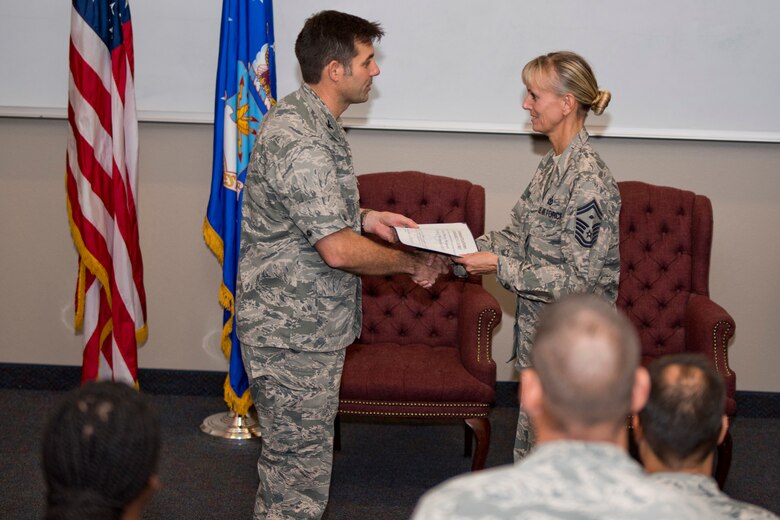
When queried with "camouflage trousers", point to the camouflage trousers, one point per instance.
{"points": [[296, 395], [526, 317], [525, 438]]}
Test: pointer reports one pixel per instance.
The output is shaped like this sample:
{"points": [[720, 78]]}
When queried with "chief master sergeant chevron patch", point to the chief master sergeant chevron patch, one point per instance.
{"points": [[588, 224]]}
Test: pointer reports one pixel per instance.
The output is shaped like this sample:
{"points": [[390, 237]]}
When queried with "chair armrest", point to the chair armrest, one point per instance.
{"points": [[478, 316], [708, 329]]}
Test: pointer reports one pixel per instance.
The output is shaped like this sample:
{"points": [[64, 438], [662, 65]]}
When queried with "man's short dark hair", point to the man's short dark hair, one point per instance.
{"points": [[331, 35], [585, 353], [682, 419]]}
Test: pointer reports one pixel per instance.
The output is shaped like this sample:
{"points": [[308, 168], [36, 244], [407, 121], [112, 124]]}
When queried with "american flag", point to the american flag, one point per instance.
{"points": [[102, 189]]}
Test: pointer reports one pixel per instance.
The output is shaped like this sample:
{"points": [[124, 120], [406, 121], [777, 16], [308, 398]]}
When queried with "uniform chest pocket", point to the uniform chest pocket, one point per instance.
{"points": [[545, 235], [547, 223]]}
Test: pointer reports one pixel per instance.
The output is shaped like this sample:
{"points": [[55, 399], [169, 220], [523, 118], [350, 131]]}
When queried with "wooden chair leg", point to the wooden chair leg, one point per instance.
{"points": [[468, 440], [337, 433], [633, 448], [723, 462], [480, 426]]}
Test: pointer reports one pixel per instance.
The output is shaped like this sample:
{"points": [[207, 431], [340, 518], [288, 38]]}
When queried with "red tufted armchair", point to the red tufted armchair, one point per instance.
{"points": [[425, 354], [665, 243]]}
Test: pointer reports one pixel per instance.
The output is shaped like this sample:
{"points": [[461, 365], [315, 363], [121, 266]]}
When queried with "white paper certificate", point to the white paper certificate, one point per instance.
{"points": [[450, 239]]}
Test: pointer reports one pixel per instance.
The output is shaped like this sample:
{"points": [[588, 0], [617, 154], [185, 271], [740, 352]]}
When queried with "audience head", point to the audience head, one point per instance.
{"points": [[100, 451], [331, 35], [683, 420], [586, 373], [566, 72]]}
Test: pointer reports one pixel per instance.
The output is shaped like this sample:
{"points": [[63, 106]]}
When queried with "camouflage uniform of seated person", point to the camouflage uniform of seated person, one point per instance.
{"points": [[586, 379], [679, 428]]}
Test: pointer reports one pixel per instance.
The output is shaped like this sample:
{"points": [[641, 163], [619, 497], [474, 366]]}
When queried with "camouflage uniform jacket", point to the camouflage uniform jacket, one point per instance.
{"points": [[562, 237], [300, 188], [706, 488], [561, 479]]}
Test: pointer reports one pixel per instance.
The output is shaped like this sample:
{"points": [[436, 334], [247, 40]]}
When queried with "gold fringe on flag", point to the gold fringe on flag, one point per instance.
{"points": [[240, 405], [88, 261]]}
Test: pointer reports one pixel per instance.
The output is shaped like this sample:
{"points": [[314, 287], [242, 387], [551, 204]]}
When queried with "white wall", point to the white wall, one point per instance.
{"points": [[666, 62], [38, 261]]}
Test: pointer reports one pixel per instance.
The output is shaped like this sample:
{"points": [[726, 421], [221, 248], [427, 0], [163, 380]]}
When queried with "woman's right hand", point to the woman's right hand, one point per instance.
{"points": [[481, 263]]}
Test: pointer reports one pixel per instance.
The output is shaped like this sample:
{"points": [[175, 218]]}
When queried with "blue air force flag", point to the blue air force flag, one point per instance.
{"points": [[246, 89]]}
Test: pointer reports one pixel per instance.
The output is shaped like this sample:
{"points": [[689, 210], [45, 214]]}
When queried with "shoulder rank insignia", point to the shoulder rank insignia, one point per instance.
{"points": [[588, 224]]}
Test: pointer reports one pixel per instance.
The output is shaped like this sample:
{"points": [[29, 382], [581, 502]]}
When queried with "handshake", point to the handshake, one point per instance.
{"points": [[428, 267], [424, 267]]}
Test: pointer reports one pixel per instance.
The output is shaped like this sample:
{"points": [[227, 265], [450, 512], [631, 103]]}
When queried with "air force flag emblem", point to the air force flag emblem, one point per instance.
{"points": [[589, 218]]}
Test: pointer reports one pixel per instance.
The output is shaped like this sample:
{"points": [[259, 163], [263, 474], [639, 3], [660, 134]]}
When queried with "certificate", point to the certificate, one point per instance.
{"points": [[449, 239]]}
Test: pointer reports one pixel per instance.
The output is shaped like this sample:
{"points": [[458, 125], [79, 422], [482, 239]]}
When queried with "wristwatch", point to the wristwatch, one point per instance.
{"points": [[363, 214]]}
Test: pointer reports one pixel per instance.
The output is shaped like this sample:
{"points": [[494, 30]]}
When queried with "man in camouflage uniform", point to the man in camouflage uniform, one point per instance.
{"points": [[562, 238], [680, 427], [586, 378], [299, 296]]}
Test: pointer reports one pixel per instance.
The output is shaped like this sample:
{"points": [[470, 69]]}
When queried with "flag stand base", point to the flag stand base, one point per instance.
{"points": [[230, 425]]}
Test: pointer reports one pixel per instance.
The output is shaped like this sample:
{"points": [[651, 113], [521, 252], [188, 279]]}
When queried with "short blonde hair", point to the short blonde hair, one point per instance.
{"points": [[572, 74]]}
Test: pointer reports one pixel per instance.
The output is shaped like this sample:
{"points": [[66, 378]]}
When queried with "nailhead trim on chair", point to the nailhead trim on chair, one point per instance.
{"points": [[396, 403], [415, 414], [723, 345], [479, 333]]}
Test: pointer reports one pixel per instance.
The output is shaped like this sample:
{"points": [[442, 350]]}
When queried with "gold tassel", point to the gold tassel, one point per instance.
{"points": [[239, 405], [88, 261], [85, 256], [213, 241], [78, 323]]}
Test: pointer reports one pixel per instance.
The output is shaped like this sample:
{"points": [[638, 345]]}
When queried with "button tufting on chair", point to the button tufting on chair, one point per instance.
{"points": [[684, 318]]}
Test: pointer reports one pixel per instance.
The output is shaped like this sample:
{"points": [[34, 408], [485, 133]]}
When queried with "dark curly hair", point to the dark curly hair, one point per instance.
{"points": [[100, 448]]}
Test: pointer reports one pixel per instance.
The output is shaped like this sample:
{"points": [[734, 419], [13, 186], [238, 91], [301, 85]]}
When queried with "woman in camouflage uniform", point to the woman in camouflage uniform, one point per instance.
{"points": [[563, 232]]}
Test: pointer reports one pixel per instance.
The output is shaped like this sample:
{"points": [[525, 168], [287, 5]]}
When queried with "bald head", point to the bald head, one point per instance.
{"points": [[585, 355]]}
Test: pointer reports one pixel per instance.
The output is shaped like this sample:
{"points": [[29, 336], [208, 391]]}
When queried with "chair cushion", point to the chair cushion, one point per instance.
{"points": [[412, 373]]}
